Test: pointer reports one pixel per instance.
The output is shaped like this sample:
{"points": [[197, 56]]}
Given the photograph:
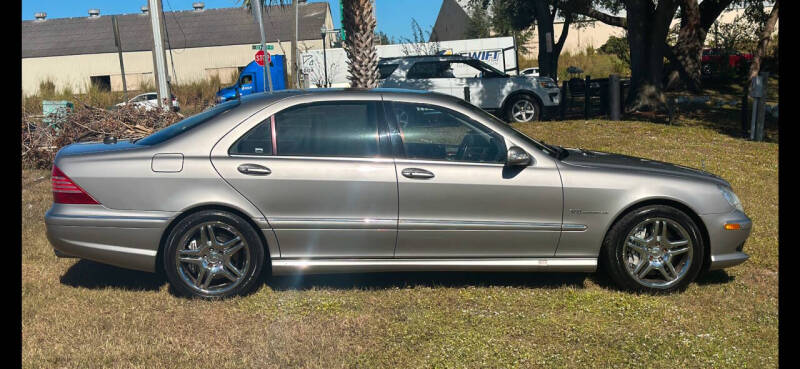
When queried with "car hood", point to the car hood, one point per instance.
{"points": [[227, 92], [599, 159]]}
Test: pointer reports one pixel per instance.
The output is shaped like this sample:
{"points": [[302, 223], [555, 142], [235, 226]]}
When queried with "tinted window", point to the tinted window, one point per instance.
{"points": [[187, 124], [430, 70], [386, 70], [257, 141], [247, 79], [328, 129], [435, 133]]}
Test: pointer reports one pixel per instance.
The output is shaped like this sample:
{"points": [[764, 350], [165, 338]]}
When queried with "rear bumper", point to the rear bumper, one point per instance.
{"points": [[727, 245], [127, 239]]}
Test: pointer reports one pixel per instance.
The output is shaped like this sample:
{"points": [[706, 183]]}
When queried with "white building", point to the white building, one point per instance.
{"points": [[77, 52]]}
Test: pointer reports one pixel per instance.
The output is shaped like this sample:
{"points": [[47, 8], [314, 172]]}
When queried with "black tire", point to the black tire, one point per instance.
{"points": [[523, 98], [249, 258], [614, 250]]}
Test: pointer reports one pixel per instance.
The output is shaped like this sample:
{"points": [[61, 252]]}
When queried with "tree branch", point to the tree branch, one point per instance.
{"points": [[609, 19]]}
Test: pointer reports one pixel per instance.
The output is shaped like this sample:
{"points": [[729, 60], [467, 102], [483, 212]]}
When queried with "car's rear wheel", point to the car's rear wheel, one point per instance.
{"points": [[213, 254], [523, 108], [653, 248]]}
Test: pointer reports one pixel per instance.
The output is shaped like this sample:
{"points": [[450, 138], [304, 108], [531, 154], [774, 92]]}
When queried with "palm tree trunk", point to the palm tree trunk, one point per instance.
{"points": [[359, 27]]}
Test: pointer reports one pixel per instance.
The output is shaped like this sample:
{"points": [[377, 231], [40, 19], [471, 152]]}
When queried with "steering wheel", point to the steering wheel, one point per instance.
{"points": [[466, 144]]}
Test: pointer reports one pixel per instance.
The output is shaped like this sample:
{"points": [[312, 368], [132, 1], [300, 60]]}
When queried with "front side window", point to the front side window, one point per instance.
{"points": [[139, 98], [435, 133], [247, 79], [338, 129]]}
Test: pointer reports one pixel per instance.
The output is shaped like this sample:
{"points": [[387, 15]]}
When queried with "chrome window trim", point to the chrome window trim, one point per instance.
{"points": [[327, 158], [447, 162]]}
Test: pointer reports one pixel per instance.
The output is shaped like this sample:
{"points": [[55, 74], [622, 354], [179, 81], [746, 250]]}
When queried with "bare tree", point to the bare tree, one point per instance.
{"points": [[417, 44]]}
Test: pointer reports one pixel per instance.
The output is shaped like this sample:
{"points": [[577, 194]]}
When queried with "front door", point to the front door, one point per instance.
{"points": [[322, 176], [457, 197], [485, 86]]}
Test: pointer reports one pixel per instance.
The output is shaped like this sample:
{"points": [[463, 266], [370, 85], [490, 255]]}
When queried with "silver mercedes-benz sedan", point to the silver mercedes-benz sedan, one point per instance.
{"points": [[379, 180]]}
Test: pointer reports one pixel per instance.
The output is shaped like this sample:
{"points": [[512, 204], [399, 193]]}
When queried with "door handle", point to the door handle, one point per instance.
{"points": [[416, 173], [254, 170]]}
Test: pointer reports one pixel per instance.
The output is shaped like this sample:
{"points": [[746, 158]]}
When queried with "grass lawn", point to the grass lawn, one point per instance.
{"points": [[80, 314]]}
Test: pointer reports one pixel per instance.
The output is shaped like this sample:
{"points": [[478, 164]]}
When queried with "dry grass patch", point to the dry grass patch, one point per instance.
{"points": [[78, 314]]}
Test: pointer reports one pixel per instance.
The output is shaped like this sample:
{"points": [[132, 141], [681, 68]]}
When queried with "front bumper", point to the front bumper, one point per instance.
{"points": [[124, 238], [727, 245]]}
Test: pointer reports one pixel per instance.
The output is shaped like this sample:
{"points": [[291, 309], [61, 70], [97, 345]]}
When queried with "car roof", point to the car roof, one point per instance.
{"points": [[426, 57], [260, 99]]}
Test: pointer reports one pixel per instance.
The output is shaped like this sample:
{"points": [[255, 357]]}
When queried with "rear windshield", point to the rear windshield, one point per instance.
{"points": [[187, 124]]}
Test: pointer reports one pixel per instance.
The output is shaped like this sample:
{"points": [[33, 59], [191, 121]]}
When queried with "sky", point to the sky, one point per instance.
{"points": [[393, 16]]}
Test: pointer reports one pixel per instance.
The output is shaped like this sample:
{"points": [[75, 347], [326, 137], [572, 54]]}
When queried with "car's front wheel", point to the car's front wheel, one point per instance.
{"points": [[213, 254], [523, 108], [653, 248]]}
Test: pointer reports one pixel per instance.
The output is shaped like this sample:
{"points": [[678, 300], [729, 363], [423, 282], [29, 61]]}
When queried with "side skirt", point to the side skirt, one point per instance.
{"points": [[320, 266]]}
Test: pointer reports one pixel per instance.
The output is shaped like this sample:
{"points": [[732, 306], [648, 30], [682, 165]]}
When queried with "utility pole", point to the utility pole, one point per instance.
{"points": [[118, 43], [267, 75], [159, 57], [296, 65]]}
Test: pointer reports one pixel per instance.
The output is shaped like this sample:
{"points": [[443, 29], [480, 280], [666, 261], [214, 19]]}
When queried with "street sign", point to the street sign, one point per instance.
{"points": [[260, 58], [258, 47]]}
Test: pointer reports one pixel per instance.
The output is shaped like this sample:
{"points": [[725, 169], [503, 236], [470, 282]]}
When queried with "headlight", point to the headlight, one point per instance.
{"points": [[731, 197], [547, 83]]}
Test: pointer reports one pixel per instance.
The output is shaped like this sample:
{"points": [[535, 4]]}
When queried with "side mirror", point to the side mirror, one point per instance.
{"points": [[517, 157]]}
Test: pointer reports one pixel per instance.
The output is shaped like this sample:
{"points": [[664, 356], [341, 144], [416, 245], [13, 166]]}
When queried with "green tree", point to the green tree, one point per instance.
{"points": [[617, 46], [522, 15]]}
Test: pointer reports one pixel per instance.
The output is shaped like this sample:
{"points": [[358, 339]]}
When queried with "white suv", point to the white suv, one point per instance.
{"points": [[515, 98]]}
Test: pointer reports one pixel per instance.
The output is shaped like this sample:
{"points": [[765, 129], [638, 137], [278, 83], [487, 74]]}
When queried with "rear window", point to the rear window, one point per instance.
{"points": [[343, 129], [386, 70], [187, 124]]}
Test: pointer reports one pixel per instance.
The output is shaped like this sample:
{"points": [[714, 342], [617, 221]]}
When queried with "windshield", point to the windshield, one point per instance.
{"points": [[551, 150], [488, 70], [187, 124]]}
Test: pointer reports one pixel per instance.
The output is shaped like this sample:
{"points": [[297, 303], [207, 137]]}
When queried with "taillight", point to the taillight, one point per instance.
{"points": [[67, 192]]}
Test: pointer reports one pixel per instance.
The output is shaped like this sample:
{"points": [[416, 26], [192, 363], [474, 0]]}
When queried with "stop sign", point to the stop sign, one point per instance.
{"points": [[260, 57]]}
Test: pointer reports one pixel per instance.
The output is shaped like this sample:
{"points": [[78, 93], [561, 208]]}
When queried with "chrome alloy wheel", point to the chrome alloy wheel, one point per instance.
{"points": [[657, 253], [523, 111], [212, 258]]}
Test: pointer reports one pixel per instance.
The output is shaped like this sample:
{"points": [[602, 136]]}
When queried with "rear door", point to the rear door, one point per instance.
{"points": [[322, 175], [457, 197], [429, 76]]}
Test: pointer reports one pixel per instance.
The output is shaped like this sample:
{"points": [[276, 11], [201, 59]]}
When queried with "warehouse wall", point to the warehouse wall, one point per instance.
{"points": [[190, 65]]}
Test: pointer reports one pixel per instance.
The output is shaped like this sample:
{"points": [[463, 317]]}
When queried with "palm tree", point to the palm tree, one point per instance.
{"points": [[359, 27], [359, 44]]}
